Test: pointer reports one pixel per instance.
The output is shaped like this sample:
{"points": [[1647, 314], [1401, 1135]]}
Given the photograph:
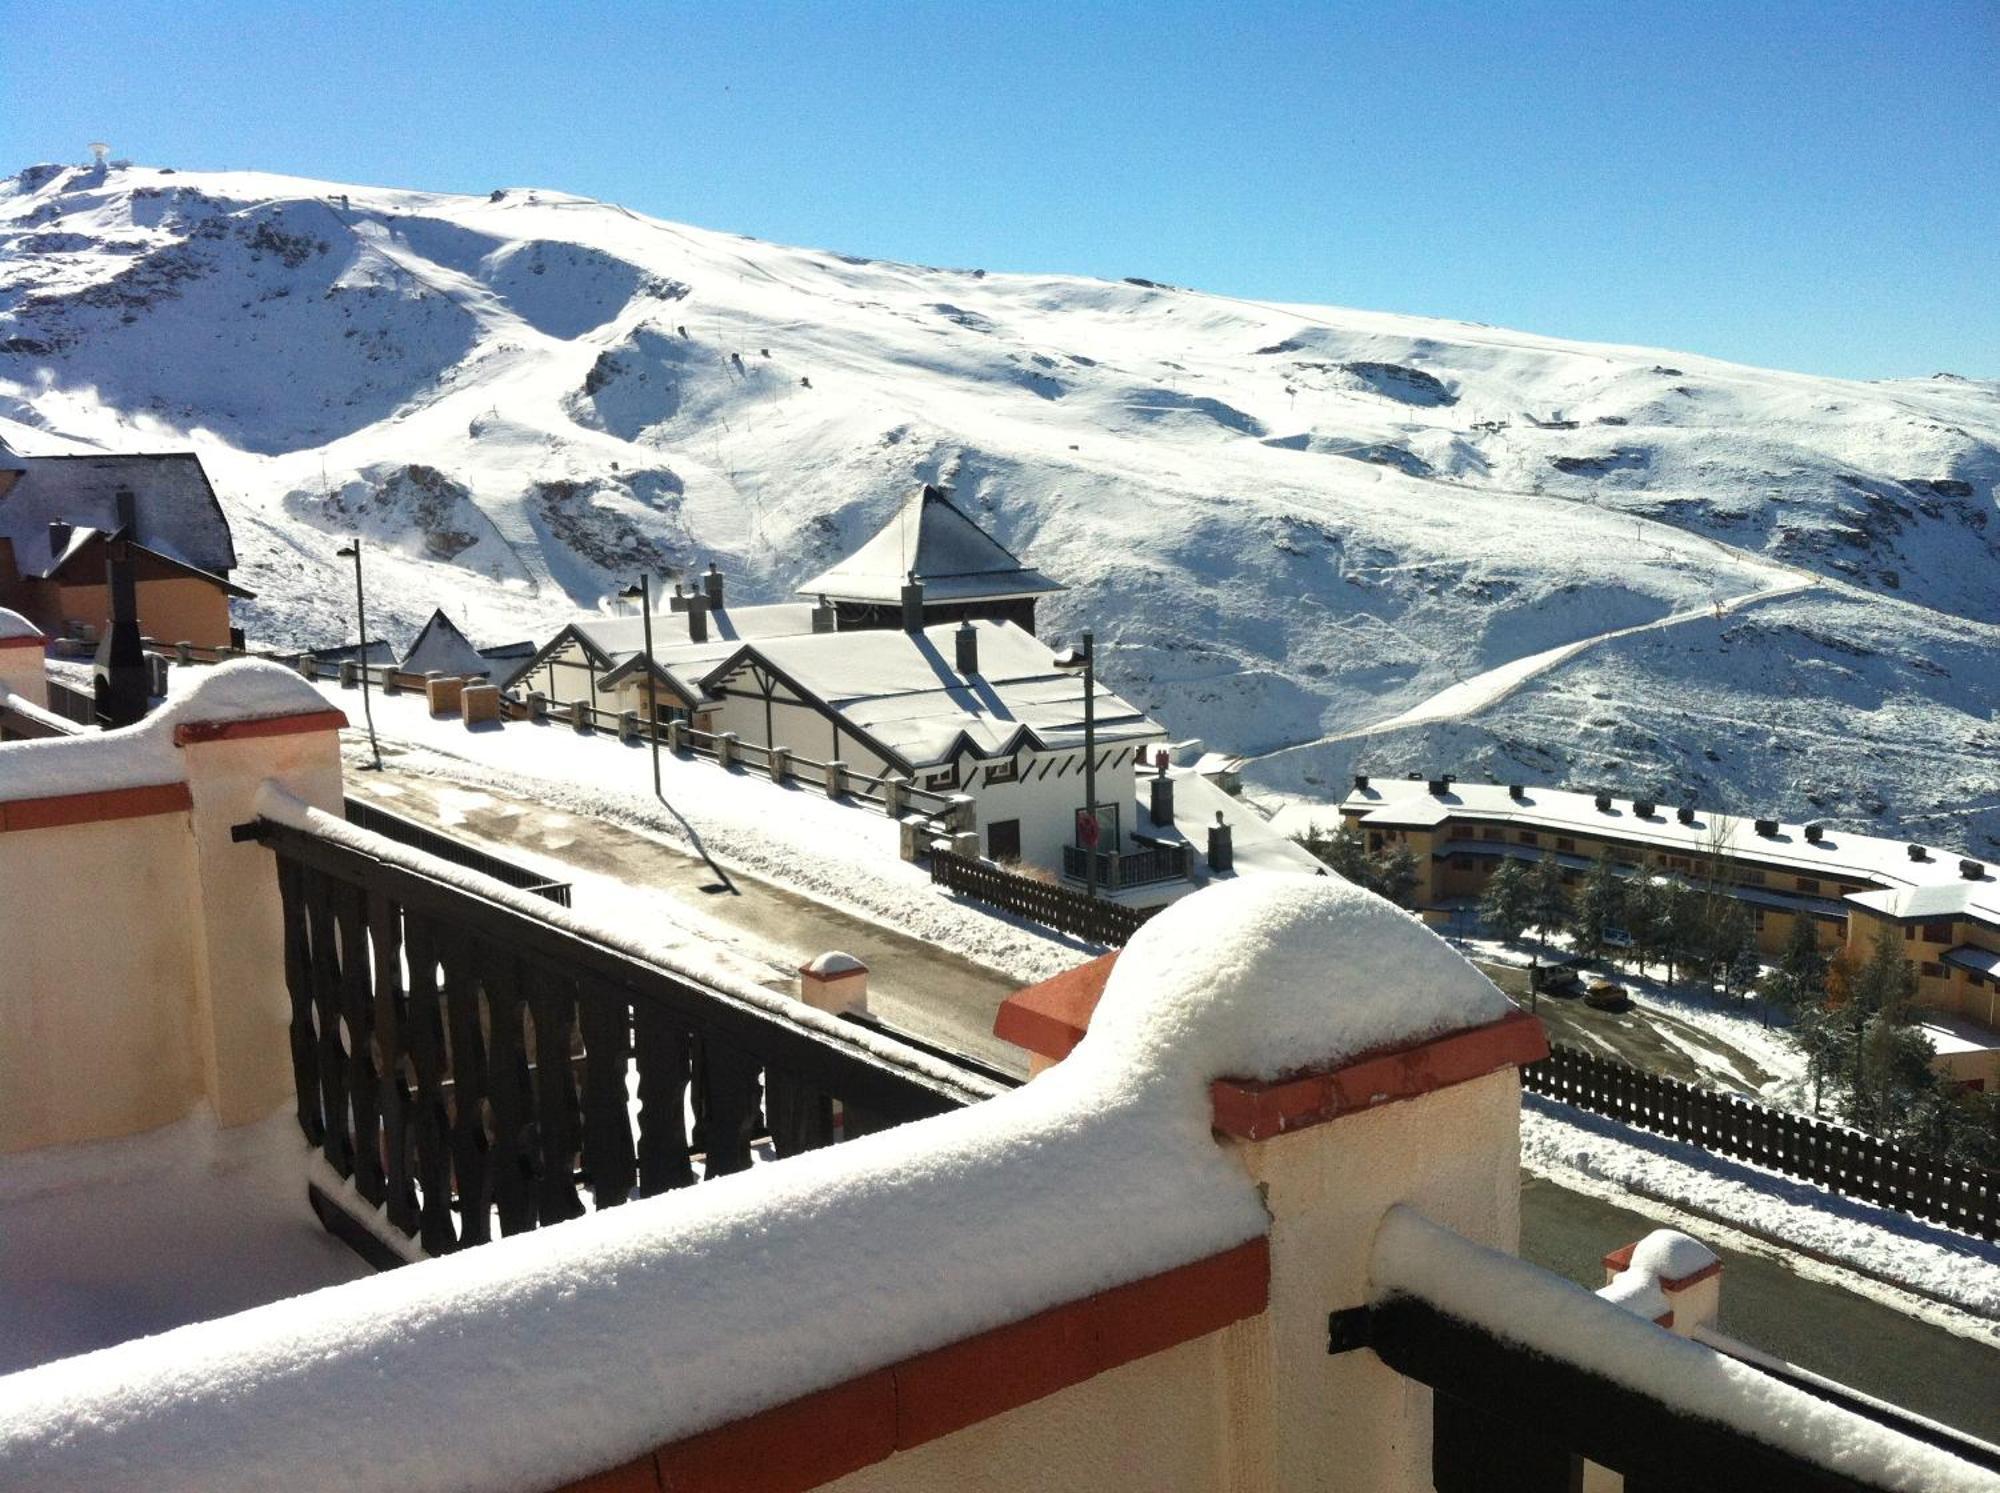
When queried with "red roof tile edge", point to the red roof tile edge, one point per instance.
{"points": [[93, 807], [196, 732]]}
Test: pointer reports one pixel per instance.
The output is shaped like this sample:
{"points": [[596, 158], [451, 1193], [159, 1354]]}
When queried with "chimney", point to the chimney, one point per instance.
{"points": [[697, 610], [1768, 828], [967, 639], [1604, 803], [1361, 782], [823, 616], [913, 605], [121, 680], [1643, 807], [1439, 787], [1221, 847], [59, 532], [1685, 813], [1815, 833], [712, 584], [1918, 853], [1972, 870], [127, 506], [1516, 792], [1163, 801]]}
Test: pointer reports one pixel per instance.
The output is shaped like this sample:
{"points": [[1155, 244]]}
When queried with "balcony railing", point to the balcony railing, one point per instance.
{"points": [[1119, 869], [468, 1062]]}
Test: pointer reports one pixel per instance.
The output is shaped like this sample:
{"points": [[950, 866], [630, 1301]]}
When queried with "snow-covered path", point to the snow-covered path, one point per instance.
{"points": [[1467, 697]]}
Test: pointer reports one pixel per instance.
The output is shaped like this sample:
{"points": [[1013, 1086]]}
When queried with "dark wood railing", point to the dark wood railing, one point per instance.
{"points": [[1849, 1162], [1044, 902], [378, 820], [1507, 1419], [1125, 868], [467, 1065]]}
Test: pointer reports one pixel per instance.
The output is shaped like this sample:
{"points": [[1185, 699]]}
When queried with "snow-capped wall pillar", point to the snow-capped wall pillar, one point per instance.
{"points": [[628, 726], [781, 763], [442, 695], [579, 716], [292, 740], [1402, 1087], [1672, 1270], [725, 749], [834, 982], [538, 706], [22, 669], [836, 779]]}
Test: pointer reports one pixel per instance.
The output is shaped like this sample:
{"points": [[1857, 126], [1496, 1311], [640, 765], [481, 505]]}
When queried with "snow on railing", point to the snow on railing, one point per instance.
{"points": [[548, 1356], [1569, 1368]]}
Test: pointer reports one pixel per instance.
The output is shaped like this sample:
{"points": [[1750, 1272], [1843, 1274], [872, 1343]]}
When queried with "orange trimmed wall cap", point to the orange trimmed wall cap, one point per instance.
{"points": [[194, 732], [1050, 1018]]}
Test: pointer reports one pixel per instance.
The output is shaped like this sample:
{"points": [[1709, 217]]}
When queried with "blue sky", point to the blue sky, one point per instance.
{"points": [[1811, 186]]}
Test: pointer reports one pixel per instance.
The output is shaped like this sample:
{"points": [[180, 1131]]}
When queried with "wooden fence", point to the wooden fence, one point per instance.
{"points": [[1849, 1162], [1057, 906]]}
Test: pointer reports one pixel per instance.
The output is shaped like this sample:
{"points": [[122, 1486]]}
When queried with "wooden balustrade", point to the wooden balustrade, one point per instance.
{"points": [[465, 1063]]}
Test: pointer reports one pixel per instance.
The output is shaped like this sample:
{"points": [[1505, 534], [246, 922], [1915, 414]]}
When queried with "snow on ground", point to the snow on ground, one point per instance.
{"points": [[121, 1239], [1286, 522], [1589, 1153], [684, 1311], [838, 853]]}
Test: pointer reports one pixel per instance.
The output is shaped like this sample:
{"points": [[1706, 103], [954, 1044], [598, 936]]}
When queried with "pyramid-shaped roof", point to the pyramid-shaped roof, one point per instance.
{"points": [[443, 648], [931, 538]]}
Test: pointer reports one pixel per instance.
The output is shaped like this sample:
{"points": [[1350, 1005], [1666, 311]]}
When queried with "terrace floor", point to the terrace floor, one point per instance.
{"points": [[126, 1238]]}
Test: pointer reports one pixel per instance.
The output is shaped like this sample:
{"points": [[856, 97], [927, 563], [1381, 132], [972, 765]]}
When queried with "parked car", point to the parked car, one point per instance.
{"points": [[1562, 980], [1607, 995]]}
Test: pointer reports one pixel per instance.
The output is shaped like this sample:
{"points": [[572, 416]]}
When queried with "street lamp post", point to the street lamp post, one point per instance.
{"points": [[643, 594], [1085, 658], [353, 552]]}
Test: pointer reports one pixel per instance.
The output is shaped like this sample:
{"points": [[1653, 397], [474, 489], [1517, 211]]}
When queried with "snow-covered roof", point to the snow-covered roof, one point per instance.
{"points": [[903, 691], [442, 648], [931, 538], [1980, 961], [1901, 887], [1258, 846], [14, 625], [1951, 1035], [177, 512], [705, 1305], [683, 662]]}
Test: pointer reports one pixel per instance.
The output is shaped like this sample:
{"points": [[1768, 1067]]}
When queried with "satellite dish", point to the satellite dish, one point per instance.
{"points": [[99, 150]]}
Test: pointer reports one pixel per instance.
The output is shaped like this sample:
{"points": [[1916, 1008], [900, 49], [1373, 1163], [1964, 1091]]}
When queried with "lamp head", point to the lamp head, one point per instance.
{"points": [[348, 551]]}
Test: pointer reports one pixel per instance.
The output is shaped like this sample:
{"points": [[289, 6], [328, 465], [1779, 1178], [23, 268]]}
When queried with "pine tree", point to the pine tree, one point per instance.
{"points": [[1547, 899], [1600, 907], [1345, 852], [1396, 873], [1887, 1062], [1503, 907], [1800, 978]]}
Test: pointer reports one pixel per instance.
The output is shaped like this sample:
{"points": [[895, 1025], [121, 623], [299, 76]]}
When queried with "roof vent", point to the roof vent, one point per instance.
{"points": [[1815, 833], [1643, 807], [1361, 782], [1604, 803], [967, 641], [1685, 813], [1516, 792], [1439, 787], [1414, 777], [1918, 853], [1768, 828], [1972, 870]]}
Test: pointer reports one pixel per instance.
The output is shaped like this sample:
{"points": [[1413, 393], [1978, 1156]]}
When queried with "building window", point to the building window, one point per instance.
{"points": [[938, 781], [1563, 842], [1003, 840], [1003, 772], [1932, 970], [1757, 919], [1374, 839], [1461, 863], [1529, 837], [1753, 878], [1937, 933], [1492, 834], [1807, 884]]}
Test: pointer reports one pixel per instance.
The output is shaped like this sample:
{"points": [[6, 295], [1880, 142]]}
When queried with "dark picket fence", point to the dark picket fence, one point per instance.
{"points": [[466, 1065], [1056, 906], [1849, 1162]]}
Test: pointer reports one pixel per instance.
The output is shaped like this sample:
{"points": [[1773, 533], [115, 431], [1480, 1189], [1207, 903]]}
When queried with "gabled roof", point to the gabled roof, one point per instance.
{"points": [[615, 645], [902, 693], [178, 514], [81, 563], [442, 647], [931, 538]]}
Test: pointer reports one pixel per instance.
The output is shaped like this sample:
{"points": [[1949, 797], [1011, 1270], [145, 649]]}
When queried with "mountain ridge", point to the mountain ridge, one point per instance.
{"points": [[1285, 521]]}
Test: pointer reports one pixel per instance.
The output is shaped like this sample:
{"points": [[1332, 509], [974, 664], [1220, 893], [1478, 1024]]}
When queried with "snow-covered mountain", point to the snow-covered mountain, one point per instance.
{"points": [[1293, 526]]}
